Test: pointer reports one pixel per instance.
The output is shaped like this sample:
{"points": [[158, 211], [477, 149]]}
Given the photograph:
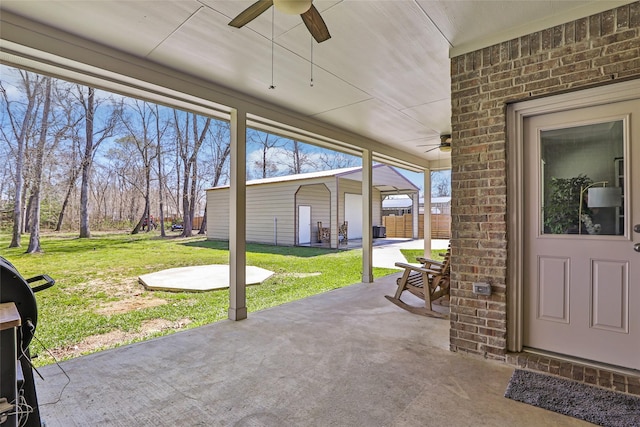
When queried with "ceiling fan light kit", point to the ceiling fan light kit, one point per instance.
{"points": [[445, 143], [292, 7], [444, 146]]}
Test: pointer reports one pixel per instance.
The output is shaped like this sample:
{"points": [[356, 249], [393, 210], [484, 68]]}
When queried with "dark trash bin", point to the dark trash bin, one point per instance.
{"points": [[379, 232]]}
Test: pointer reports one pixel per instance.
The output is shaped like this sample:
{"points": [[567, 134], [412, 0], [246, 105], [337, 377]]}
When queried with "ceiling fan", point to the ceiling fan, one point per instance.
{"points": [[310, 15], [444, 146]]}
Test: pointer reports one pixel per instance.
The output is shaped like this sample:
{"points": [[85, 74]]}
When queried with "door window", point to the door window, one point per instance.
{"points": [[582, 173]]}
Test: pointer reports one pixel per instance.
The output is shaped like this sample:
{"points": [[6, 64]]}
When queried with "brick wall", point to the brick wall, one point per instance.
{"points": [[597, 50]]}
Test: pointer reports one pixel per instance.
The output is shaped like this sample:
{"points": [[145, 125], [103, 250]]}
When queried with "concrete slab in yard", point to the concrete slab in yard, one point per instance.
{"points": [[198, 278]]}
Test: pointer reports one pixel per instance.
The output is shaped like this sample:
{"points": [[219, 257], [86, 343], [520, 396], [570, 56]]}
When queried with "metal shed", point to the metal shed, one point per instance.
{"points": [[287, 210]]}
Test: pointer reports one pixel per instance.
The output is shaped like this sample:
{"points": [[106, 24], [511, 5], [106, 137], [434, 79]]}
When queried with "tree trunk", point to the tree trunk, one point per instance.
{"points": [[203, 225], [87, 161], [186, 209], [34, 238], [145, 216], [297, 166], [160, 173], [21, 141], [66, 201], [193, 192], [189, 161], [28, 212]]}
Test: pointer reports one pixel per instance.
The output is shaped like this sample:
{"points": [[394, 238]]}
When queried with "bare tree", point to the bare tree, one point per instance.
{"points": [[266, 142], [140, 130], [177, 195], [441, 183], [68, 108], [20, 121], [94, 136], [71, 183], [298, 159], [220, 146], [34, 238], [335, 160], [160, 130], [190, 132], [129, 181]]}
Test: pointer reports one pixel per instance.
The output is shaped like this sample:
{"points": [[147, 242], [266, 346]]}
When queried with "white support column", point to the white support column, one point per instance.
{"points": [[427, 213], [367, 217], [415, 209], [238, 216]]}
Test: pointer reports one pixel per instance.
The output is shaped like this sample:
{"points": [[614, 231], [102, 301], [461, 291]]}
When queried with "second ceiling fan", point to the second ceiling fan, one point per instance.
{"points": [[310, 15], [444, 145]]}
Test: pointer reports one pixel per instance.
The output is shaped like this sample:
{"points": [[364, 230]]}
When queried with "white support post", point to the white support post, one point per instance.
{"points": [[367, 222], [415, 209], [427, 213], [238, 217]]}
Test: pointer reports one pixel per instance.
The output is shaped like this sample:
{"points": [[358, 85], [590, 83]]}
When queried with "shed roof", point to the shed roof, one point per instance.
{"points": [[385, 178]]}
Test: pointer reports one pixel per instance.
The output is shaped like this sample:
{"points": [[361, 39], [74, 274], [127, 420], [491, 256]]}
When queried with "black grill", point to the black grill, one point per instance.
{"points": [[18, 290]]}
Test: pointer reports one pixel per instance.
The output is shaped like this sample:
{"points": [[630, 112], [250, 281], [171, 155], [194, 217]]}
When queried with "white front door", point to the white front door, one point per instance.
{"points": [[304, 225], [582, 255]]}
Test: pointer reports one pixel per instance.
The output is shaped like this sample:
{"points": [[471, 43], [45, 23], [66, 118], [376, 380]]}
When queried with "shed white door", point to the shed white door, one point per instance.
{"points": [[353, 215], [582, 278], [304, 225]]}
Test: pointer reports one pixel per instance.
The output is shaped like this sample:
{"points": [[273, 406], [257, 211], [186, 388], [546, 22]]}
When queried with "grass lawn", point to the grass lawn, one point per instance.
{"points": [[412, 254], [97, 302]]}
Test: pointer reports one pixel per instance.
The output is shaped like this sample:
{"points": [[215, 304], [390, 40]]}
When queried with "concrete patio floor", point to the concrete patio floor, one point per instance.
{"points": [[347, 357]]}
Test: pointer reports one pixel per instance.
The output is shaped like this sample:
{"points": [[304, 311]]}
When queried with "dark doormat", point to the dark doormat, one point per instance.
{"points": [[578, 400]]}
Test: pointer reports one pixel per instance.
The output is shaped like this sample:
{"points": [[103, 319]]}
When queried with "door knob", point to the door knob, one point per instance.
{"points": [[636, 228], [636, 247]]}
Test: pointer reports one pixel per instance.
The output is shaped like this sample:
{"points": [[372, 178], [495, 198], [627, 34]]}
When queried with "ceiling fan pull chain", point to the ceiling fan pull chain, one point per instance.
{"points": [[272, 45], [311, 83]]}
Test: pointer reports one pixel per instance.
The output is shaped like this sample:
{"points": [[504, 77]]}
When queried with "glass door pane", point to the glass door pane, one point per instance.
{"points": [[583, 179]]}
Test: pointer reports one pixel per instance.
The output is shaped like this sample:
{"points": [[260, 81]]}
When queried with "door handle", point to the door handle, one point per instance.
{"points": [[636, 247], [636, 228]]}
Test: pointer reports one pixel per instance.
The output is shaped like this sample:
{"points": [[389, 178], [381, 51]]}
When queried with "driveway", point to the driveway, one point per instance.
{"points": [[386, 254]]}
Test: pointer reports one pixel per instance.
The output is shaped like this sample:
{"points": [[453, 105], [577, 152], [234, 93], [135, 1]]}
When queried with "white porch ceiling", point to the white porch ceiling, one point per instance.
{"points": [[384, 74]]}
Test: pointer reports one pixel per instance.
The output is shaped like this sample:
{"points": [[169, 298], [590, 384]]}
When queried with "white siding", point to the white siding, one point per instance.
{"points": [[281, 200], [264, 203], [376, 208], [218, 214]]}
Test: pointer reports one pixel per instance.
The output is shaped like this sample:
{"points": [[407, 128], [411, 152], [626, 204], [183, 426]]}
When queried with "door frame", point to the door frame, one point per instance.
{"points": [[516, 114]]}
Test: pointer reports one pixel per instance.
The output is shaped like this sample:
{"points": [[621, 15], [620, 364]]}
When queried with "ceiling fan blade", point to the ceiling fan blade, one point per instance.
{"points": [[251, 13], [315, 24], [427, 145], [434, 148]]}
